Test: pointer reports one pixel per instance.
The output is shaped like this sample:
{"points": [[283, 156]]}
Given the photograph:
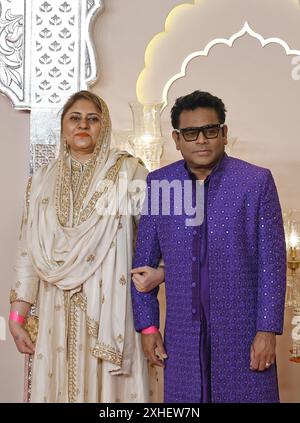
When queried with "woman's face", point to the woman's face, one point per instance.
{"points": [[81, 126]]}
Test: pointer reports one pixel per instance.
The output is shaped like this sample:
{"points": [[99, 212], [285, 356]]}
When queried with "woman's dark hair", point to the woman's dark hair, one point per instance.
{"points": [[193, 101]]}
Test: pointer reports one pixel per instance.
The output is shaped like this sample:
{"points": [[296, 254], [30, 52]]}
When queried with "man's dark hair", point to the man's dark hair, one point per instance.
{"points": [[193, 101]]}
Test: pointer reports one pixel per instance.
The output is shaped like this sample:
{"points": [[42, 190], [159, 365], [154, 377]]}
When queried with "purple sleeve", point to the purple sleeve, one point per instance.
{"points": [[271, 261], [145, 305]]}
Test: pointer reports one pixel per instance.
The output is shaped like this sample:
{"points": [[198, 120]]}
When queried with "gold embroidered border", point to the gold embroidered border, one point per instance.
{"points": [[32, 327], [72, 352], [108, 353], [110, 176], [87, 176], [13, 296], [63, 192], [75, 177], [80, 300], [28, 190]]}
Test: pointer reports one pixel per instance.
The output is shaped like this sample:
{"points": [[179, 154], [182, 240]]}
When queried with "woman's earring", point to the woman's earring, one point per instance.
{"points": [[66, 148]]}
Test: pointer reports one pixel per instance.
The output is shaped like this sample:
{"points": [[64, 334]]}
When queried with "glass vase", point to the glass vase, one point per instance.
{"points": [[147, 140]]}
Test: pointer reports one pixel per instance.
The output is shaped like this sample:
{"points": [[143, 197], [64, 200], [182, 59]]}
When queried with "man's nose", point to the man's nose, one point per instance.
{"points": [[201, 138]]}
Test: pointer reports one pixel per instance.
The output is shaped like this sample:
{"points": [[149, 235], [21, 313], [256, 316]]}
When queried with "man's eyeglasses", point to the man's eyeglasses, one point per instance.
{"points": [[192, 134]]}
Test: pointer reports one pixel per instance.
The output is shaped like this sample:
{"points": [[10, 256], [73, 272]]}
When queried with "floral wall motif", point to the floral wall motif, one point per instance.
{"points": [[12, 50]]}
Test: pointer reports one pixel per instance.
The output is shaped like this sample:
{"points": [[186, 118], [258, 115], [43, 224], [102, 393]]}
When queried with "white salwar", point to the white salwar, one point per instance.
{"points": [[74, 263]]}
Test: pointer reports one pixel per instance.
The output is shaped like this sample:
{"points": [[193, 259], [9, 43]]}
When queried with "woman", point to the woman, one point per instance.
{"points": [[74, 263]]}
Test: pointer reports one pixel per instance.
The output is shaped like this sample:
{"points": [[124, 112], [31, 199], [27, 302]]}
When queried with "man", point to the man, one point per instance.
{"points": [[225, 278]]}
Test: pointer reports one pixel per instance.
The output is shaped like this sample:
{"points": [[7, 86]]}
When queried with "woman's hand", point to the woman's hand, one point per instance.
{"points": [[21, 338], [147, 278]]}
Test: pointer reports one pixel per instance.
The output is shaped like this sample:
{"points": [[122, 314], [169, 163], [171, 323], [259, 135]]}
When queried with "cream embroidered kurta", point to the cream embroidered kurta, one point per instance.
{"points": [[78, 276]]}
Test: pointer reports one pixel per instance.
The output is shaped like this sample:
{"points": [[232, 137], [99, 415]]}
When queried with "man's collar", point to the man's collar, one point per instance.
{"points": [[208, 177]]}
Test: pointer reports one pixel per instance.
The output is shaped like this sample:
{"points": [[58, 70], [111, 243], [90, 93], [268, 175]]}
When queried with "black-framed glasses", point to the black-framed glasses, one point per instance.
{"points": [[192, 133]]}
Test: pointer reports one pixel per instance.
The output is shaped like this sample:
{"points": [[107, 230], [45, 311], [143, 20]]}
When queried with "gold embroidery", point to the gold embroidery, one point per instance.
{"points": [[120, 339], [87, 176], [24, 254], [32, 327], [60, 349], [90, 258], [133, 396], [80, 300], [109, 178], [26, 209], [45, 200], [92, 327], [18, 284], [108, 353], [62, 195], [66, 309], [75, 177], [123, 280], [27, 197], [72, 351], [13, 296], [39, 356], [29, 381]]}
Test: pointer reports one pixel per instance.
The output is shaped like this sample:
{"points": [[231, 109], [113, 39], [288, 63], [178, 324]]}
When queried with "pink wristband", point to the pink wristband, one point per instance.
{"points": [[16, 317], [150, 329]]}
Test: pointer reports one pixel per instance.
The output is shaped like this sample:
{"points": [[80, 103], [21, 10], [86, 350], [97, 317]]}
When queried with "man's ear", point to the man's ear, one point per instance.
{"points": [[175, 137], [224, 134]]}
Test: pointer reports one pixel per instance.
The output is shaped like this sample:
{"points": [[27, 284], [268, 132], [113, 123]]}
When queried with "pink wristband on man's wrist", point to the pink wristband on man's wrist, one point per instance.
{"points": [[150, 329], [16, 317]]}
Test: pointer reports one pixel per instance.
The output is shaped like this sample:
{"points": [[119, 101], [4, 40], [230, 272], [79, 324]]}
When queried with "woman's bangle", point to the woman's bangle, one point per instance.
{"points": [[16, 317], [150, 329]]}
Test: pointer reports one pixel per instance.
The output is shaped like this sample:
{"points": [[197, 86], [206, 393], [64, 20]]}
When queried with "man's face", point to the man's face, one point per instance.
{"points": [[203, 152]]}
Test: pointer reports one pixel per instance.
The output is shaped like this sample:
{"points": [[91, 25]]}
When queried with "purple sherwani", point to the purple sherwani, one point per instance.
{"points": [[246, 273]]}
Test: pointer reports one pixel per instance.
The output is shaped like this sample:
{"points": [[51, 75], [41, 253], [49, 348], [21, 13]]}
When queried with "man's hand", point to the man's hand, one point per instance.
{"points": [[262, 354], [21, 338], [153, 348], [147, 278]]}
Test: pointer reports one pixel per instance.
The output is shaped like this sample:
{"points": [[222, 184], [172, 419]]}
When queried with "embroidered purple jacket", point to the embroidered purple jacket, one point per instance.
{"points": [[247, 272]]}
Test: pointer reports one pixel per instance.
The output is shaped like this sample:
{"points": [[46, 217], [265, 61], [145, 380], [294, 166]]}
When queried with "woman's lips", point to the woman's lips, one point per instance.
{"points": [[82, 134]]}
